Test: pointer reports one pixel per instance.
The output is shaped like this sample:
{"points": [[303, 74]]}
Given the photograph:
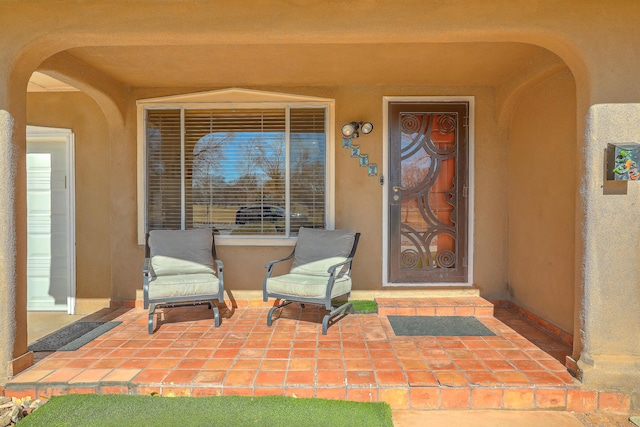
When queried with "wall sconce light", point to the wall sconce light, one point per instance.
{"points": [[353, 129]]}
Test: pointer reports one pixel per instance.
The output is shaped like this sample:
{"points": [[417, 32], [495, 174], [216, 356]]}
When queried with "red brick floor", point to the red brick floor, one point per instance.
{"points": [[359, 359], [534, 334]]}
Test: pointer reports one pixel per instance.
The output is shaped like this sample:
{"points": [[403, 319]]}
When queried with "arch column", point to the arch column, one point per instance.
{"points": [[611, 316], [14, 355], [610, 266]]}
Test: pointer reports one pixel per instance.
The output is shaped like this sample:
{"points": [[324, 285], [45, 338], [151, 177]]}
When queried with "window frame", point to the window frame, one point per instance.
{"points": [[240, 99]]}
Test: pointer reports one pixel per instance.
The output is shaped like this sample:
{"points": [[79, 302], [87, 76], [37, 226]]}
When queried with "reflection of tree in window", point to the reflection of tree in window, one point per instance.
{"points": [[207, 178], [233, 169], [234, 164], [268, 154], [307, 177]]}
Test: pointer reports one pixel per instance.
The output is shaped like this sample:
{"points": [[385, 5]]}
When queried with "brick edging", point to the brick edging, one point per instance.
{"points": [[405, 397], [537, 321]]}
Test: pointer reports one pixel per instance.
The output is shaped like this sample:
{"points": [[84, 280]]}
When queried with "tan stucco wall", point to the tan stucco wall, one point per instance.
{"points": [[358, 197], [598, 43], [542, 196], [81, 114]]}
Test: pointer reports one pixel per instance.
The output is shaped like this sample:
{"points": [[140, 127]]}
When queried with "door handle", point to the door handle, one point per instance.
{"points": [[396, 190]]}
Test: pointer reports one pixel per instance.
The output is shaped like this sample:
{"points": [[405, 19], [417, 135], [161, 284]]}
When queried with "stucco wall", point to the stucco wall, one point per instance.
{"points": [[78, 112], [611, 352], [542, 198], [598, 43], [358, 197]]}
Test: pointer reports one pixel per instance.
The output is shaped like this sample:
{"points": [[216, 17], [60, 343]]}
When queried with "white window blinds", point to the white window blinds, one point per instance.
{"points": [[238, 171], [164, 170]]}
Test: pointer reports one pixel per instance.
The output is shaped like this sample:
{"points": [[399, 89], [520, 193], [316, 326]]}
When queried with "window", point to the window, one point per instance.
{"points": [[256, 170]]}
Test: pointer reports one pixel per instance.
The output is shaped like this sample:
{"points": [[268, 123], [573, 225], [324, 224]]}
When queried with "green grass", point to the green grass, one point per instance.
{"points": [[92, 410], [360, 306]]}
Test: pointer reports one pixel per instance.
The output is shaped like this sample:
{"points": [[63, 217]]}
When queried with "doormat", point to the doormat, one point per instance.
{"points": [[438, 326], [73, 336]]}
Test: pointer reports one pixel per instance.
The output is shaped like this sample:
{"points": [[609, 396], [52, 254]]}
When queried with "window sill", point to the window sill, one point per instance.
{"points": [[254, 241]]}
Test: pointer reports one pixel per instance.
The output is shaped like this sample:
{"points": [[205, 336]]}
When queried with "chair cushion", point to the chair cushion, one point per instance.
{"points": [[181, 251], [317, 250], [307, 286], [183, 285]]}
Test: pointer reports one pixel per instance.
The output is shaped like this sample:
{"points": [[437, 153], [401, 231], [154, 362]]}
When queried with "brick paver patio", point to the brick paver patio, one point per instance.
{"points": [[359, 359]]}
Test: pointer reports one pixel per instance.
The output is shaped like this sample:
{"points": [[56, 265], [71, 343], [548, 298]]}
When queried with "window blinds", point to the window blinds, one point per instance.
{"points": [[164, 171], [239, 171], [307, 166]]}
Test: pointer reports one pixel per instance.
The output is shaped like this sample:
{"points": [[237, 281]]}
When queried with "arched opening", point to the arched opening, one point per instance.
{"points": [[52, 103], [513, 85]]}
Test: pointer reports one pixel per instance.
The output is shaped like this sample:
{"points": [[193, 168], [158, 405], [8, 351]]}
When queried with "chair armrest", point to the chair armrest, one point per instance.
{"points": [[333, 268], [332, 279], [270, 264], [220, 265], [146, 268], [146, 275], [269, 267]]}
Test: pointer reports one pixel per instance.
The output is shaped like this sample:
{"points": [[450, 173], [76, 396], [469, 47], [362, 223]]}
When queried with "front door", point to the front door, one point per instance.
{"points": [[428, 164], [50, 259]]}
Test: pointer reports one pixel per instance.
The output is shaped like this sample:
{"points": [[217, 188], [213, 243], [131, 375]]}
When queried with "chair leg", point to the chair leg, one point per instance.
{"points": [[216, 314], [272, 309], [152, 311], [327, 317]]}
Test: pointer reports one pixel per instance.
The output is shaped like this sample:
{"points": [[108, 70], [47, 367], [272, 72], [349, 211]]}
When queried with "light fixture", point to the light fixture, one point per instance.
{"points": [[366, 128], [351, 130]]}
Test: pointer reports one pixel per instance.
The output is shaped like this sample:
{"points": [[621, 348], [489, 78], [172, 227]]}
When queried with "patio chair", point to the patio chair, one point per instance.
{"points": [[320, 272], [181, 268]]}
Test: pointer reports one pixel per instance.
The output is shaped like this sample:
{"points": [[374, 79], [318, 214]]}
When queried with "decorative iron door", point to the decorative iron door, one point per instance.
{"points": [[428, 192]]}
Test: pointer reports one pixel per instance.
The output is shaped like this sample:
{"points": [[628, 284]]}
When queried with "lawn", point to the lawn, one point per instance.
{"points": [[235, 411]]}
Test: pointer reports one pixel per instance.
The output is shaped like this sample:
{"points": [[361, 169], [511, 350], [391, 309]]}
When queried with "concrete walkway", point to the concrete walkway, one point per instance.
{"points": [[480, 418]]}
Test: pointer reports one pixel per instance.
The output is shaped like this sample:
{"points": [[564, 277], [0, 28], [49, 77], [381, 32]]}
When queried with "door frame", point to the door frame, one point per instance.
{"points": [[386, 100], [40, 132]]}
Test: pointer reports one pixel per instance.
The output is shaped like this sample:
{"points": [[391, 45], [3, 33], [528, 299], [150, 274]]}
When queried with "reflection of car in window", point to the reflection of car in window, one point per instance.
{"points": [[267, 213]]}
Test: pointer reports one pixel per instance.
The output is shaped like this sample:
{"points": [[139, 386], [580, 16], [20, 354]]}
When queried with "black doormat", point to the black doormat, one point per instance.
{"points": [[73, 336], [438, 326]]}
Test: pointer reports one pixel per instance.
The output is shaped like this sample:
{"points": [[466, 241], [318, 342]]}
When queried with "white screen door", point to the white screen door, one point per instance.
{"points": [[50, 231]]}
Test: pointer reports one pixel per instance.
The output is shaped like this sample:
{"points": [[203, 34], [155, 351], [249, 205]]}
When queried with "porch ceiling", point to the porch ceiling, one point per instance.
{"points": [[485, 64]]}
